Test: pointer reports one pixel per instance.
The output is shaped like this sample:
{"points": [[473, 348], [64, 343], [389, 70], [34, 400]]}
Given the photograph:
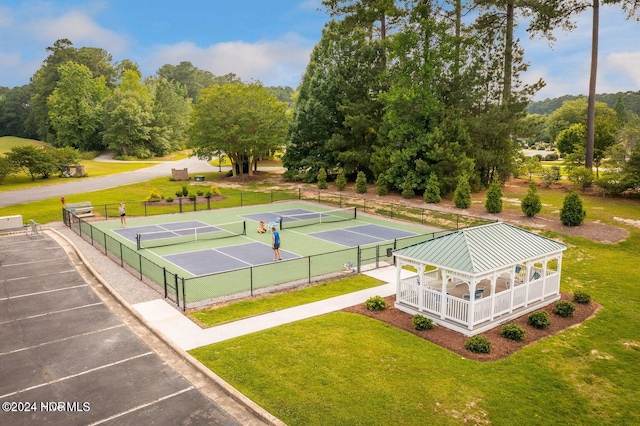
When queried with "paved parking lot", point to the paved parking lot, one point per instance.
{"points": [[67, 358]]}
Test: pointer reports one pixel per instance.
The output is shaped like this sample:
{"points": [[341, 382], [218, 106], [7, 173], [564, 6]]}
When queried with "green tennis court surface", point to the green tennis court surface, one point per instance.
{"points": [[218, 252]]}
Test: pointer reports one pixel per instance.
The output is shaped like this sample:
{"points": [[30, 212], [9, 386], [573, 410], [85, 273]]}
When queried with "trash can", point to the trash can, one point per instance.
{"points": [[199, 178]]}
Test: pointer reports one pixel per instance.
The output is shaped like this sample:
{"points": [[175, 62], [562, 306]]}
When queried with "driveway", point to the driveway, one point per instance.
{"points": [[77, 186]]}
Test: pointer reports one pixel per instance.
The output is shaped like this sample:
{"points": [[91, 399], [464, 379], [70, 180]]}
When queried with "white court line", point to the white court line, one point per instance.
{"points": [[61, 379], [62, 340], [43, 292], [139, 407], [52, 312]]}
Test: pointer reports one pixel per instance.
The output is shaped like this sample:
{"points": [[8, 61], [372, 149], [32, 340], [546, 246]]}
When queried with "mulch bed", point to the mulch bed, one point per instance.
{"points": [[500, 346]]}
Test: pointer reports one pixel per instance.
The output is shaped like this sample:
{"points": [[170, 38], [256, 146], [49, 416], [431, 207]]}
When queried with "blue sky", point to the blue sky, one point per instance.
{"points": [[269, 40]]}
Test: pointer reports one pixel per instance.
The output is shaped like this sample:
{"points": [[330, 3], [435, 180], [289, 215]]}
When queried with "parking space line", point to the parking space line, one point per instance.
{"points": [[43, 292], [53, 312], [139, 407], [66, 271], [61, 379], [88, 333], [56, 259]]}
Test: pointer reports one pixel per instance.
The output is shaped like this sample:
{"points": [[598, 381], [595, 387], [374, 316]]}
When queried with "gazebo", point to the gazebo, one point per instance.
{"points": [[475, 279]]}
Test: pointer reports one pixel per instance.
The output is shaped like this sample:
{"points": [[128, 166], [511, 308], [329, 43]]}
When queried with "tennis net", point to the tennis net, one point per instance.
{"points": [[179, 236], [306, 219]]}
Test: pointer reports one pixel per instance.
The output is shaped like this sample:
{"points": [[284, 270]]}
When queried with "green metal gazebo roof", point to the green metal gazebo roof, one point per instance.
{"points": [[482, 248]]}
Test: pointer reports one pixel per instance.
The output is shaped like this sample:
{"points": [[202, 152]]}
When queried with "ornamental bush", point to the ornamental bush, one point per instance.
{"points": [[215, 190], [322, 179], [493, 204], [420, 322], [361, 183], [185, 191], [531, 204], [381, 185], [432, 191], [513, 332], [539, 320], [563, 308], [341, 181], [376, 303], [572, 213], [462, 194], [582, 297], [407, 188], [154, 195], [478, 344]]}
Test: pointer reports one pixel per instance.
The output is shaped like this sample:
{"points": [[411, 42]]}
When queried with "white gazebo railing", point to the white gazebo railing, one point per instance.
{"points": [[431, 301]]}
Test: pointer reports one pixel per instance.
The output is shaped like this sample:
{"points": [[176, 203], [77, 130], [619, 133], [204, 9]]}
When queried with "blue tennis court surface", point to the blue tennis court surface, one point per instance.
{"points": [[210, 261], [165, 230], [271, 217], [360, 235]]}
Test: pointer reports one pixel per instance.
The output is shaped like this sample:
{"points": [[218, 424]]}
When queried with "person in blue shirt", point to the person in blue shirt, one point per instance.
{"points": [[275, 238]]}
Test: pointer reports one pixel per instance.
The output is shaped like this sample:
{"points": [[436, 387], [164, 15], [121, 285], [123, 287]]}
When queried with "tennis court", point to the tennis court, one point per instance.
{"points": [[220, 252]]}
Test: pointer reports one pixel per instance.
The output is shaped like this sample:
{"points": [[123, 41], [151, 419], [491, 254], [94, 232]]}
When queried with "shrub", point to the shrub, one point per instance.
{"points": [[407, 188], [169, 199], [361, 183], [432, 191], [376, 303], [563, 308], [582, 297], [493, 204], [550, 175], [580, 177], [531, 204], [478, 344], [420, 322], [322, 179], [513, 332], [551, 157], [179, 193], [572, 213], [341, 181], [215, 190], [381, 185], [185, 190], [200, 192], [539, 320], [154, 195], [192, 197], [462, 194]]}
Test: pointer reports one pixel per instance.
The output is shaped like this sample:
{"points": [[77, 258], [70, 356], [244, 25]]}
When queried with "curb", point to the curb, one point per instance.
{"points": [[232, 392]]}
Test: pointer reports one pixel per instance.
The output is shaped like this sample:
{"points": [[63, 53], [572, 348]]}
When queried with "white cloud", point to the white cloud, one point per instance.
{"points": [[273, 62], [80, 28]]}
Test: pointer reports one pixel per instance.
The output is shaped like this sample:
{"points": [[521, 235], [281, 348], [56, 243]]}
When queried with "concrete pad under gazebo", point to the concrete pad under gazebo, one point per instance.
{"points": [[475, 279]]}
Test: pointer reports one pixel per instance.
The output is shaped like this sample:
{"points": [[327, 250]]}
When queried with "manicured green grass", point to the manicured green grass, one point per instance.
{"points": [[8, 142], [346, 369], [247, 308]]}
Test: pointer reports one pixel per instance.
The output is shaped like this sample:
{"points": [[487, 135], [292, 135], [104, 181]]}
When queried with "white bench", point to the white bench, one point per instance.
{"points": [[83, 209]]}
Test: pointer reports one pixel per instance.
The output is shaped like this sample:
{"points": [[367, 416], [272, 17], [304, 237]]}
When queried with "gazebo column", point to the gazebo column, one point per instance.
{"points": [[494, 280], [421, 286], [544, 277], [512, 287], [472, 303], [443, 294], [526, 283]]}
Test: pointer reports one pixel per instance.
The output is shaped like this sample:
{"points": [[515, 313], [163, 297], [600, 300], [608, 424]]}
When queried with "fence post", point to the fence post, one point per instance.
{"points": [[145, 208], [121, 257], [377, 256], [309, 258], [180, 203], [177, 288], [140, 263], [251, 280], [299, 194], [164, 280], [359, 258], [241, 199], [271, 194], [105, 244], [184, 296]]}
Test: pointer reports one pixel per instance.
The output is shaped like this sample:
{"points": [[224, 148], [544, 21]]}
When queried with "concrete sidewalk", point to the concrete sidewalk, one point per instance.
{"points": [[173, 324]]}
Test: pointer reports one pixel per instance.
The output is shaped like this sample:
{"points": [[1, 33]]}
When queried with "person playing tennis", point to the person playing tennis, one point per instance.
{"points": [[275, 238]]}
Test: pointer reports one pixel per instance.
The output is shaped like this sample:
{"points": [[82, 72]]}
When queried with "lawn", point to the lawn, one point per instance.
{"points": [[345, 369]]}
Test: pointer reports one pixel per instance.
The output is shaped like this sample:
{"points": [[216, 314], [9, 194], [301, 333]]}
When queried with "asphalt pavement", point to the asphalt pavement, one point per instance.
{"points": [[80, 185]]}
